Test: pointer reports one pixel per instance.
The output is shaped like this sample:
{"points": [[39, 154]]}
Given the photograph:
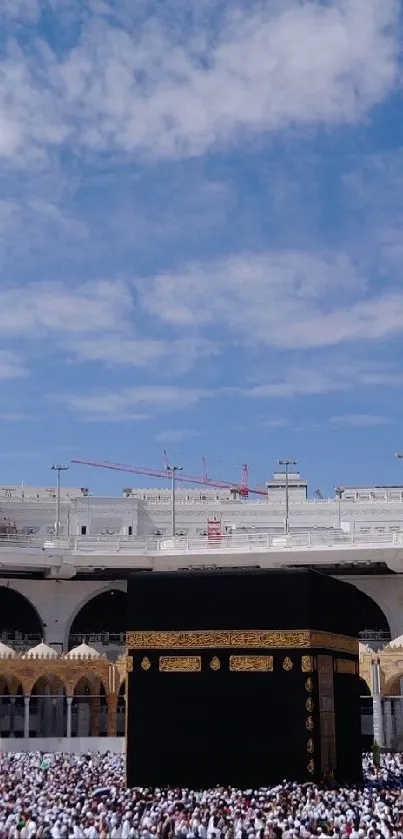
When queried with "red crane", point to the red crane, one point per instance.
{"points": [[242, 489]]}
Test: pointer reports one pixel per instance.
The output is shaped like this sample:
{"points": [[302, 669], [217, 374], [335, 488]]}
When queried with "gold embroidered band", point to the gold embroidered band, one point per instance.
{"points": [[180, 663], [251, 663], [239, 638]]}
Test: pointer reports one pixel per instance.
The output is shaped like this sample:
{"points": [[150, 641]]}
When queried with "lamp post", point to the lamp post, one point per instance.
{"points": [[173, 470], [399, 456], [59, 469], [287, 462], [339, 493]]}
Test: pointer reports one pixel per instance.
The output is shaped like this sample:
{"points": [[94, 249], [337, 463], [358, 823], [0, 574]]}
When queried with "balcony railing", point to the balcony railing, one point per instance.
{"points": [[240, 542], [244, 542]]}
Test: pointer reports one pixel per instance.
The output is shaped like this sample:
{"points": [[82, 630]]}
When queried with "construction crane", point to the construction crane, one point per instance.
{"points": [[243, 490]]}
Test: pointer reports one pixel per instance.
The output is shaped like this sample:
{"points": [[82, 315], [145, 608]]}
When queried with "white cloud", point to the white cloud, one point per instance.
{"points": [[360, 420], [11, 366], [327, 377], [126, 403], [179, 355], [176, 435], [93, 322], [153, 89], [288, 300], [30, 309], [20, 9]]}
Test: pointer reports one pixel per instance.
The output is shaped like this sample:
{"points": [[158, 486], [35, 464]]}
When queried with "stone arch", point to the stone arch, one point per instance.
{"points": [[103, 613], [102, 590], [85, 705], [372, 614], [392, 685], [46, 706], [85, 686], [48, 681], [18, 615]]}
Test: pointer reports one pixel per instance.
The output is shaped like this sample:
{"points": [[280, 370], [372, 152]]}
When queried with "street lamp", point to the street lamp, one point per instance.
{"points": [[287, 463], [339, 493], [173, 470], [59, 469], [399, 456]]}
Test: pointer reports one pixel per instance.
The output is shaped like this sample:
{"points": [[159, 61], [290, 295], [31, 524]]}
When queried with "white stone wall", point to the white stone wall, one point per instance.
{"points": [[192, 517], [104, 516], [152, 516]]}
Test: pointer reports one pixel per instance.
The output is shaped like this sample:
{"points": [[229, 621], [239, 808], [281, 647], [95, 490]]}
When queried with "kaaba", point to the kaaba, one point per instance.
{"points": [[241, 678]]}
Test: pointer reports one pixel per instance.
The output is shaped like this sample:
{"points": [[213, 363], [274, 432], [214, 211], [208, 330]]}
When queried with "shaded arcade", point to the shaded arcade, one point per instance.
{"points": [[43, 694]]}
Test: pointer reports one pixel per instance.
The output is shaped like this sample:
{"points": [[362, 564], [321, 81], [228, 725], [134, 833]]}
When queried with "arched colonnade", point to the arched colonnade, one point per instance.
{"points": [[60, 697]]}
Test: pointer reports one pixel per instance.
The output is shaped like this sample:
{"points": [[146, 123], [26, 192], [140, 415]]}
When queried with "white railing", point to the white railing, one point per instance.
{"points": [[241, 542], [266, 541], [21, 540], [227, 543]]}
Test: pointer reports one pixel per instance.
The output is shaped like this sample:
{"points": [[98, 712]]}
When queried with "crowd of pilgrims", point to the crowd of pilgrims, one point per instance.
{"points": [[54, 796]]}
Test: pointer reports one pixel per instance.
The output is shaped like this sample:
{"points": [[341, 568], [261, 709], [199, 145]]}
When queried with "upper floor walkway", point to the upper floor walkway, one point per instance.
{"points": [[313, 547]]}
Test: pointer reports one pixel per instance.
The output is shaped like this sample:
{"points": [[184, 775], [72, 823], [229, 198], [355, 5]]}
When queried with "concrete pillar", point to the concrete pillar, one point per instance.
{"points": [[26, 716], [47, 713], [12, 714], [388, 723], [377, 704], [112, 721], [69, 704], [397, 708], [59, 724], [39, 716]]}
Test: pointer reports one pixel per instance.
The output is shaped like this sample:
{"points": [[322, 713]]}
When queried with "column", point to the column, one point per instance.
{"points": [[26, 716], [397, 720], [47, 729], [112, 706], [59, 730], [12, 714], [377, 705], [69, 704], [388, 723]]}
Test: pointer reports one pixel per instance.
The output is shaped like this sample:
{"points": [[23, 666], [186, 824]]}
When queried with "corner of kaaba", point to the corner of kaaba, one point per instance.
{"points": [[241, 678]]}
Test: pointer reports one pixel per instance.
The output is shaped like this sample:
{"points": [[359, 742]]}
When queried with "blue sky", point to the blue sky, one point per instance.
{"points": [[201, 218]]}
